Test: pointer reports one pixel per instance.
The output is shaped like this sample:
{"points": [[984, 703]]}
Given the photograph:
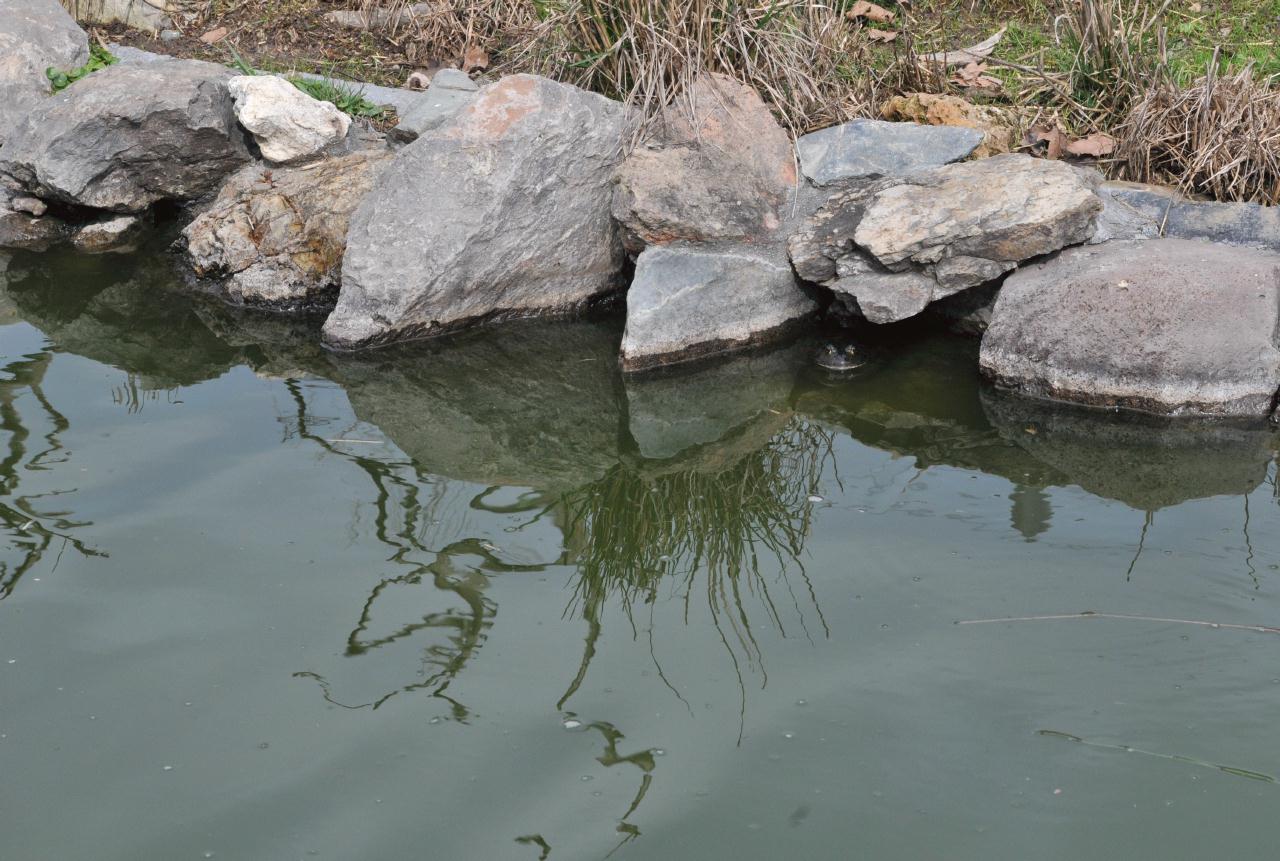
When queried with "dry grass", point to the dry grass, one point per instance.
{"points": [[1218, 137]]}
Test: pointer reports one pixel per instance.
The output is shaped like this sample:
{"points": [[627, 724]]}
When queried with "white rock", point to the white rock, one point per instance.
{"points": [[288, 125]]}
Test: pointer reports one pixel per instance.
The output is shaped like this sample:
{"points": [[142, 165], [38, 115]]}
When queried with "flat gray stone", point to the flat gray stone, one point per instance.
{"points": [[878, 148], [451, 90], [692, 300], [34, 35], [1172, 326], [1137, 211]]}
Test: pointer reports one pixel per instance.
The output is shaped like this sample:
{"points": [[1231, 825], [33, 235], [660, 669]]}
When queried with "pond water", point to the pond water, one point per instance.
{"points": [[481, 598]]}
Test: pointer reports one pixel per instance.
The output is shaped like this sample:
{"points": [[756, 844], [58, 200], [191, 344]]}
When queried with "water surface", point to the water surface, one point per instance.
{"points": [[481, 598]]}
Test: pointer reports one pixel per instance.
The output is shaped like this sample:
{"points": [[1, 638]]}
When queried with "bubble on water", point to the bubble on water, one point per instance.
{"points": [[570, 723], [263, 745], [207, 855], [816, 498], [802, 702], [753, 826], [597, 793], [657, 751], [586, 777], [168, 768], [884, 626], [916, 579], [1214, 625], [788, 735], [434, 721], [13, 660]]}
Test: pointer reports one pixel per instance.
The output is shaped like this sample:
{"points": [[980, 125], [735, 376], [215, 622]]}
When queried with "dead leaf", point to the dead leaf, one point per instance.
{"points": [[1053, 136], [1195, 8], [971, 54], [1096, 145], [870, 11], [475, 58], [975, 75], [881, 35], [216, 35]]}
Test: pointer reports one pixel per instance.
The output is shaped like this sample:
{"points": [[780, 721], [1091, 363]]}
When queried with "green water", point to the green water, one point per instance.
{"points": [[482, 599]]}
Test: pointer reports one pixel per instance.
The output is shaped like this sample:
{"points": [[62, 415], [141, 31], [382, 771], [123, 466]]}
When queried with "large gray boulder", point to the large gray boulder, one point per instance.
{"points": [[894, 246], [127, 137], [1138, 211], [1170, 326], [690, 301], [877, 148], [714, 166], [275, 238], [503, 212], [34, 35]]}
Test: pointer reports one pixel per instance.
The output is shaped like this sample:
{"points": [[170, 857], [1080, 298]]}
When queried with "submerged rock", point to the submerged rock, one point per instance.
{"points": [[127, 137], [876, 148], [34, 35], [896, 245], [1170, 326], [715, 166], [111, 233], [502, 212], [276, 238], [287, 124], [689, 301]]}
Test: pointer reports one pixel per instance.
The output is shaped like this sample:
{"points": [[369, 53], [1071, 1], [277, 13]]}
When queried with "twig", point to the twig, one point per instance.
{"points": [[1090, 614]]}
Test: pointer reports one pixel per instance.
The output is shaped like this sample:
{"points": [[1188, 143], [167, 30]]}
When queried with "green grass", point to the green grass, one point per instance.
{"points": [[348, 99], [99, 58]]}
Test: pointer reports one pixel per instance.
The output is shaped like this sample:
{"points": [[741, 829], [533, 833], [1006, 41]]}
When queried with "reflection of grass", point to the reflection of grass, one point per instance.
{"points": [[633, 531]]}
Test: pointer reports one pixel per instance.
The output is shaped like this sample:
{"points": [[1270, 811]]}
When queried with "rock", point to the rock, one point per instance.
{"points": [[716, 166], [127, 137], [131, 56], [170, 35], [1137, 211], [287, 124], [969, 311], [115, 233], [942, 230], [152, 16], [451, 90], [1170, 326], [502, 212], [276, 237], [34, 35], [20, 230], [999, 126], [30, 205], [378, 19], [876, 148], [688, 301]]}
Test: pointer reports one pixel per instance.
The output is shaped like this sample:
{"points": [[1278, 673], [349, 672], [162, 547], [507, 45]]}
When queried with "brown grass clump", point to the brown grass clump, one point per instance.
{"points": [[1219, 137]]}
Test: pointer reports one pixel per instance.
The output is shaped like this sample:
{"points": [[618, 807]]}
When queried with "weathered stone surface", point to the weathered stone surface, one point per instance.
{"points": [[113, 233], [502, 212], [715, 166], [149, 15], [1003, 209], [688, 301], [876, 148], [451, 90], [945, 229], [34, 35], [1171, 326], [30, 205], [287, 124], [1137, 211], [275, 238], [999, 126], [21, 230], [129, 136]]}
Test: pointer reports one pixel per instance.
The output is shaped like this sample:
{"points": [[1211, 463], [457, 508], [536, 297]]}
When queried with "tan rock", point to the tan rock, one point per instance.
{"points": [[716, 166], [999, 126], [277, 237]]}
